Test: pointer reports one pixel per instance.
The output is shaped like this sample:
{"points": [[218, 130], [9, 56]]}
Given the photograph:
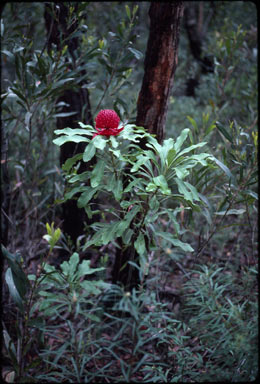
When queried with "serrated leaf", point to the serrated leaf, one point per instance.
{"points": [[65, 139], [69, 267], [85, 269], [74, 131]]}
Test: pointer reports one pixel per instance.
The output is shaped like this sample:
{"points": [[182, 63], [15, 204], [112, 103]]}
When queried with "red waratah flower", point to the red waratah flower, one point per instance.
{"points": [[107, 122]]}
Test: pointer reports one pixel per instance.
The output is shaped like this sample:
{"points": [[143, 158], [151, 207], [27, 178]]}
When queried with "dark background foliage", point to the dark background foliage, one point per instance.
{"points": [[96, 63]]}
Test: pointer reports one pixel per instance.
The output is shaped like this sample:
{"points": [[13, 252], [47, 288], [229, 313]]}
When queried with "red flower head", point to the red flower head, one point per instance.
{"points": [[107, 122]]}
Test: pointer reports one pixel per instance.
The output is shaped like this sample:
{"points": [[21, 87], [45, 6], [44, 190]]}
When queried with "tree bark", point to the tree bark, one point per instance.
{"points": [[196, 29], [57, 30], [159, 67]]}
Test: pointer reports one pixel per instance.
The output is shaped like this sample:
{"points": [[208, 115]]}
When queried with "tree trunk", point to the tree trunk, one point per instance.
{"points": [[57, 30], [196, 29], [159, 68]]}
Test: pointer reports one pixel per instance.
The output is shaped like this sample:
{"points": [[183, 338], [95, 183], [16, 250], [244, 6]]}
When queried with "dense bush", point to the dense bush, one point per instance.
{"points": [[191, 215]]}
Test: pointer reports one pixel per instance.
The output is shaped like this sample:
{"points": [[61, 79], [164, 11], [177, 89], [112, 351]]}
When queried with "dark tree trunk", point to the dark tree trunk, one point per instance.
{"points": [[75, 101], [159, 68], [196, 29]]}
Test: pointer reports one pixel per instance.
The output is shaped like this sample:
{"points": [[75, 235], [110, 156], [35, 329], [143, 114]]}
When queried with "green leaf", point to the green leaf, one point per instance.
{"points": [[191, 148], [74, 131], [85, 269], [64, 114], [131, 213], [19, 94], [8, 53], [171, 156], [128, 12], [154, 203], [127, 235], [166, 147], [89, 152], [224, 132], [73, 138], [151, 187], [84, 176], [71, 161], [224, 168], [141, 160], [99, 142], [183, 189], [180, 140], [114, 142], [139, 244], [69, 267], [137, 54], [176, 242], [181, 172], [118, 191], [161, 182], [153, 143], [20, 278], [132, 184], [86, 196], [112, 231], [193, 122], [193, 191], [97, 173], [70, 194], [231, 212], [9, 343], [48, 228], [57, 235], [13, 289], [60, 83]]}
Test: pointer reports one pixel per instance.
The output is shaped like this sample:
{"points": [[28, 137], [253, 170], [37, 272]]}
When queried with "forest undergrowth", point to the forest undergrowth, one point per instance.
{"points": [[183, 307]]}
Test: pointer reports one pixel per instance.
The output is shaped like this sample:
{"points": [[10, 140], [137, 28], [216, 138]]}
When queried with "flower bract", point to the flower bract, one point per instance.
{"points": [[107, 122]]}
